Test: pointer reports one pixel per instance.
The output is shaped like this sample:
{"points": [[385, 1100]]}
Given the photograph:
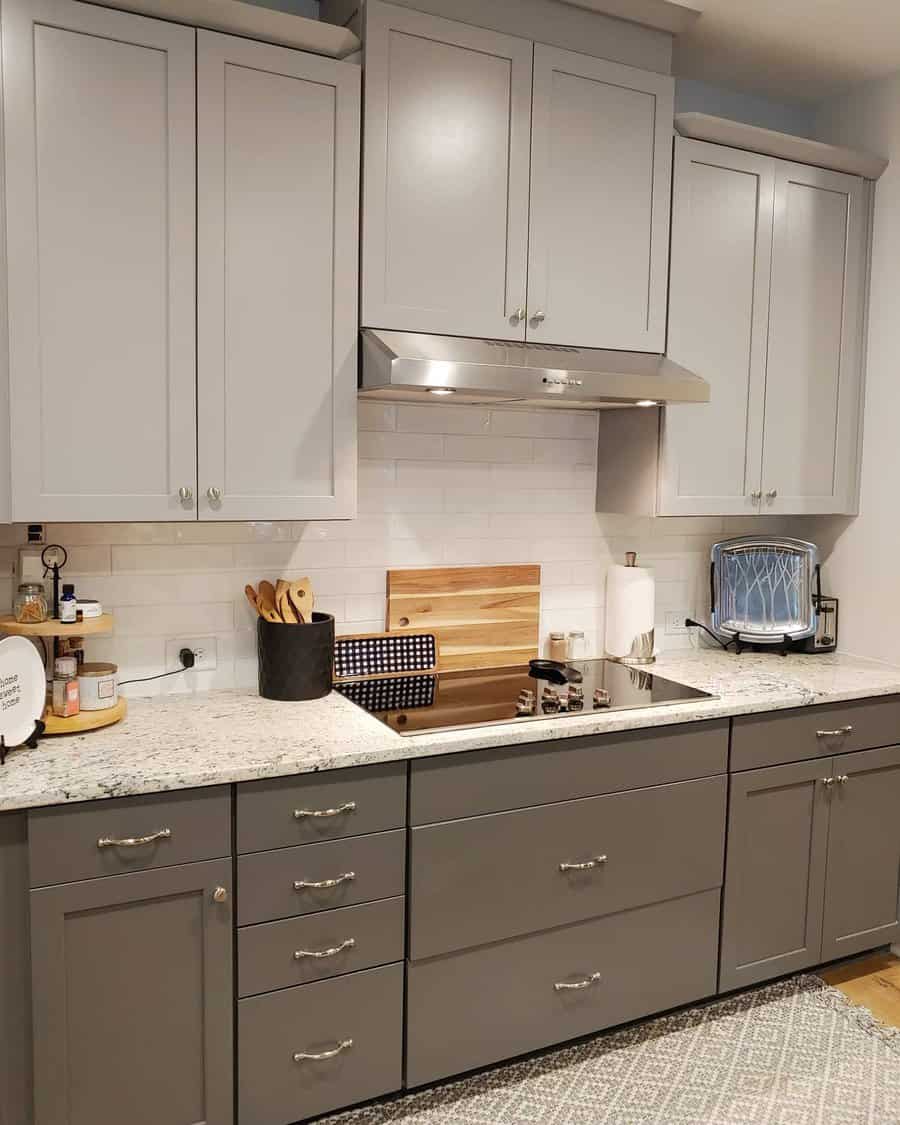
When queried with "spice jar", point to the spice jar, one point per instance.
{"points": [[65, 701], [30, 606], [575, 645], [558, 647]]}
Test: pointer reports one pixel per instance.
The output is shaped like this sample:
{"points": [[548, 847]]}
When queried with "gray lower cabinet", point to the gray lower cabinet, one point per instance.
{"points": [[775, 873], [306, 1050], [861, 890], [133, 999]]}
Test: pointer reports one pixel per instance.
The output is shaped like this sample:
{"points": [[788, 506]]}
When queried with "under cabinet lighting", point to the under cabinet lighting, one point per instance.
{"points": [[647, 402], [441, 391]]}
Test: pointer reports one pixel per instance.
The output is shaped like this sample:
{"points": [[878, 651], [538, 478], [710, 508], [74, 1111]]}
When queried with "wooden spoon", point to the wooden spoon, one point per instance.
{"points": [[283, 602], [302, 598], [251, 598], [265, 600]]}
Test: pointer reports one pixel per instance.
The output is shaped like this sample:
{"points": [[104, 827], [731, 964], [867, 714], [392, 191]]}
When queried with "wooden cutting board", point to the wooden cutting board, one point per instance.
{"points": [[482, 616]]}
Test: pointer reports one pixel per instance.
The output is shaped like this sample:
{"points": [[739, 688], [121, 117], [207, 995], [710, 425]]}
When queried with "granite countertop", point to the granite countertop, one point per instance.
{"points": [[184, 741]]}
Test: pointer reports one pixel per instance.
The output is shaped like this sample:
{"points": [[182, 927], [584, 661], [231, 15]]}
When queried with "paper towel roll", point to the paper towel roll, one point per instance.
{"points": [[630, 613]]}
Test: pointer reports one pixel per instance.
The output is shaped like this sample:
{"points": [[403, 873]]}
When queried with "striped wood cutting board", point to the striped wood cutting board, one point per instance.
{"points": [[483, 616]]}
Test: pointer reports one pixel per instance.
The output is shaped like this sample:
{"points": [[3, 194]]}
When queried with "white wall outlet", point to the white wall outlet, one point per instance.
{"points": [[675, 626], [205, 649]]}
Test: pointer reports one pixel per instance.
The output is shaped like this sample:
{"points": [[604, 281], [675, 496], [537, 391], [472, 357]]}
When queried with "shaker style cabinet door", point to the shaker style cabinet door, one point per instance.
{"points": [[133, 999], [278, 189], [100, 198], [861, 894], [710, 460], [445, 176], [601, 162], [816, 319], [775, 873]]}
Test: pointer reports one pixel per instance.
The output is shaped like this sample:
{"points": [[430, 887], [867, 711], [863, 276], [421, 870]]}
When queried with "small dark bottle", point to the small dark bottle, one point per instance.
{"points": [[68, 605]]}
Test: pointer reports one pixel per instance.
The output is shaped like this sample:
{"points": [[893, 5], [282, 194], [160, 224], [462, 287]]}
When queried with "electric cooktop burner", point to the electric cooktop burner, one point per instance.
{"points": [[414, 704]]}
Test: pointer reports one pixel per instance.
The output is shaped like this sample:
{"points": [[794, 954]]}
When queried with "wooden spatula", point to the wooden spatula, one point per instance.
{"points": [[302, 598], [251, 597], [283, 602], [265, 600]]}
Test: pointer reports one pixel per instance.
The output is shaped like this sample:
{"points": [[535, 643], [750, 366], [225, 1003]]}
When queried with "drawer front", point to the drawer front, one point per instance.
{"points": [[517, 777], [362, 1010], [814, 732], [320, 806], [361, 869], [315, 946], [493, 877], [470, 1009], [69, 843]]}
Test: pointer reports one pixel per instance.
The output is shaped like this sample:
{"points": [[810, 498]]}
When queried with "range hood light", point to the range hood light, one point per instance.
{"points": [[441, 391], [647, 402]]}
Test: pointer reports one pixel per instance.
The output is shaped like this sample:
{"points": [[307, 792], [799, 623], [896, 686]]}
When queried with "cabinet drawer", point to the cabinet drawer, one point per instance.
{"points": [[69, 843], [814, 732], [361, 869], [493, 877], [496, 780], [474, 1008], [320, 806], [362, 1010], [298, 950]]}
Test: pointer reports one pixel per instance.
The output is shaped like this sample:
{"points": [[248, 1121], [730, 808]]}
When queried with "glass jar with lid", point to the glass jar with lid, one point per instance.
{"points": [[30, 606]]}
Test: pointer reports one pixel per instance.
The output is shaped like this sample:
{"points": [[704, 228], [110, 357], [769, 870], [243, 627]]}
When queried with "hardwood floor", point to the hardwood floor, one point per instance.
{"points": [[873, 981]]}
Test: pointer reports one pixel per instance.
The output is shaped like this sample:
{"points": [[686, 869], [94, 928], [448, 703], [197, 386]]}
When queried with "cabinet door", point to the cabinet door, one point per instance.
{"points": [[601, 173], [278, 180], [775, 873], [445, 188], [133, 999], [816, 315], [722, 214], [100, 230], [861, 908]]}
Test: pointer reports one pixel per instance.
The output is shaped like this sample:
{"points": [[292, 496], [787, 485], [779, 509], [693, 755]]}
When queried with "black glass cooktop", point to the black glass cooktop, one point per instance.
{"points": [[414, 704]]}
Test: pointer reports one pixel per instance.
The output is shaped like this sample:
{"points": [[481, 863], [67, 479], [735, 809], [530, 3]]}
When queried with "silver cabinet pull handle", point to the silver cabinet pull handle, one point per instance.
{"points": [[213, 494], [835, 733], [134, 841], [303, 1056], [324, 884], [756, 496], [828, 782], [565, 986], [519, 314], [185, 494], [842, 778], [588, 865], [772, 493], [299, 954], [539, 317], [220, 894], [300, 814]]}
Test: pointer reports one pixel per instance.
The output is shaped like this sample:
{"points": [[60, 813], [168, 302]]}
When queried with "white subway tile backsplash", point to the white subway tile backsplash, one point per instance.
{"points": [[439, 485]]}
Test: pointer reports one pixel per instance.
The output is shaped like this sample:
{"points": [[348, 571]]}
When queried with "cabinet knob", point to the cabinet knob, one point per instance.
{"points": [[213, 494], [519, 314], [756, 496], [220, 894], [772, 493], [185, 494], [539, 317]]}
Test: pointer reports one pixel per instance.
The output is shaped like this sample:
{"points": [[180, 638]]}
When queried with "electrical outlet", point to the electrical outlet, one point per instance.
{"points": [[675, 626], [204, 648]]}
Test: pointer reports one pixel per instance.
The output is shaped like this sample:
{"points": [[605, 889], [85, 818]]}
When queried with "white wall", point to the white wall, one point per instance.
{"points": [[863, 568], [692, 96], [439, 484]]}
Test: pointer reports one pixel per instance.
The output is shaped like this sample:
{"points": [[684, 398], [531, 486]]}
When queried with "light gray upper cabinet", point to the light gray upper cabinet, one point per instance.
{"points": [[767, 301], [133, 998], [601, 160], [278, 190], [100, 197], [453, 217], [722, 220], [445, 190], [814, 369]]}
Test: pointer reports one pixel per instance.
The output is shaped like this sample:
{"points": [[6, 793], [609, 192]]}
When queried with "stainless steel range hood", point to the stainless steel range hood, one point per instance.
{"points": [[411, 366]]}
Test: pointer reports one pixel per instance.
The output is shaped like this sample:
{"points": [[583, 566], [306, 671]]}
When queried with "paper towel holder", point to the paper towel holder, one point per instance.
{"points": [[643, 645]]}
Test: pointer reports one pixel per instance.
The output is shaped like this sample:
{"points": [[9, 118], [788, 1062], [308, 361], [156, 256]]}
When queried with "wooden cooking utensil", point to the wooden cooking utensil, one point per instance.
{"points": [[251, 597], [265, 600], [283, 602], [302, 598]]}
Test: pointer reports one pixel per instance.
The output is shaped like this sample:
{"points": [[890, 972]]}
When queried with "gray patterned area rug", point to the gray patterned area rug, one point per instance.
{"points": [[792, 1053]]}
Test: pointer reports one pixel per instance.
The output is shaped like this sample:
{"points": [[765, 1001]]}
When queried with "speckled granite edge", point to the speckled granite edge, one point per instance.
{"points": [[188, 741]]}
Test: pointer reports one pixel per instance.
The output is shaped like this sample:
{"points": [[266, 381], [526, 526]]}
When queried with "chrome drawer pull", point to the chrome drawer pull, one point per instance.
{"points": [[828, 782], [324, 884], [842, 778], [564, 986], [300, 814], [134, 841], [589, 865], [299, 954], [835, 733], [302, 1056]]}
